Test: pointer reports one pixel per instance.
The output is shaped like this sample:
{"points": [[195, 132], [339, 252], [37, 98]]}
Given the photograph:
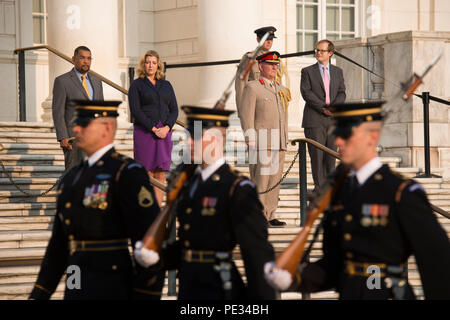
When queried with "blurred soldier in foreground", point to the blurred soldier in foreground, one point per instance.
{"points": [[376, 221], [217, 209], [103, 203]]}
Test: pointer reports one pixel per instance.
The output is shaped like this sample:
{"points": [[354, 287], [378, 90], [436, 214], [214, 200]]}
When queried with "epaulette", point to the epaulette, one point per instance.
{"points": [[261, 81], [118, 156], [403, 185], [124, 159]]}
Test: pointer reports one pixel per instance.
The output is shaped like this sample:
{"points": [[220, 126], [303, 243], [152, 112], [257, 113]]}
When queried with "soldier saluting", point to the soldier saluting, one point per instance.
{"points": [[376, 221], [103, 203]]}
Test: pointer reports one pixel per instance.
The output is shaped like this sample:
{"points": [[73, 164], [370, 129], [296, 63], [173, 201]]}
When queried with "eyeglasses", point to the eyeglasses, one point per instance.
{"points": [[321, 51]]}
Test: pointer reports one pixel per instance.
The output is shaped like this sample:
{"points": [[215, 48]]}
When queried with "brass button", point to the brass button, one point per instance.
{"points": [[347, 237], [349, 255], [68, 205], [187, 243], [348, 218], [187, 227], [114, 267], [334, 223], [71, 237], [188, 210], [67, 222]]}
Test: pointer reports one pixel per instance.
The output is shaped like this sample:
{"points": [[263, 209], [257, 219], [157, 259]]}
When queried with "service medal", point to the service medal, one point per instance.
{"points": [[366, 222]]}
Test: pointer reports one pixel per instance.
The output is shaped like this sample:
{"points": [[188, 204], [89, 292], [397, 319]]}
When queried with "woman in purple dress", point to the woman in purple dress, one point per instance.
{"points": [[154, 108]]}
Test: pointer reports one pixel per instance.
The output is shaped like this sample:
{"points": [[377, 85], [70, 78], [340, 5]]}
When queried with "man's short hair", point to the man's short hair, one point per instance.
{"points": [[330, 44], [78, 49]]}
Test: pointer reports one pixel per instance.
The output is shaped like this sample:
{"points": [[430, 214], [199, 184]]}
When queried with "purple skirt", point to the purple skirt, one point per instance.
{"points": [[151, 151]]}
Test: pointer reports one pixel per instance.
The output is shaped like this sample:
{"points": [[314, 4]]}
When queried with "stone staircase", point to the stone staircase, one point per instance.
{"points": [[33, 160]]}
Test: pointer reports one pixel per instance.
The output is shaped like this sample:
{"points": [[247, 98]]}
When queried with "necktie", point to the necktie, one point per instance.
{"points": [[326, 84], [198, 179], [83, 168], [83, 77], [354, 184]]}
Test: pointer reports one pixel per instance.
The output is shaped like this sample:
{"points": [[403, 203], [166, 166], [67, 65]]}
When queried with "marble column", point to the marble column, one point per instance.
{"points": [[223, 39], [89, 23]]}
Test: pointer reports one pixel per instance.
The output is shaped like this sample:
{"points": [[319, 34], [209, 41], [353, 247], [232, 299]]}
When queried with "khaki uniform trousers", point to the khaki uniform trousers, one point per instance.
{"points": [[265, 174]]}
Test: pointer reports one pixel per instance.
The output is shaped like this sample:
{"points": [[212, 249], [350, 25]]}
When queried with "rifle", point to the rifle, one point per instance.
{"points": [[220, 104], [253, 58], [292, 255], [416, 80], [154, 236]]}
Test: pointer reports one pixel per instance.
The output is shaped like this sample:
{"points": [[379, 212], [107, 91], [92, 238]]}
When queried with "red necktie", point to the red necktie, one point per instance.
{"points": [[326, 84]]}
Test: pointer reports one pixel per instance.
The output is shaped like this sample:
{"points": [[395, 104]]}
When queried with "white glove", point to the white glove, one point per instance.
{"points": [[145, 257], [279, 279]]}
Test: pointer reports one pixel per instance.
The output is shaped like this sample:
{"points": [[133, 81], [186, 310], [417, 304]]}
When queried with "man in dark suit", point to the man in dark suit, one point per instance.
{"points": [[77, 84], [105, 203], [322, 84], [217, 210]]}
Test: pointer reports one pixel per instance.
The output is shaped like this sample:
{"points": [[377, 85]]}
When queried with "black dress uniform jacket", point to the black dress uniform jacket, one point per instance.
{"points": [[103, 206], [383, 222], [224, 211]]}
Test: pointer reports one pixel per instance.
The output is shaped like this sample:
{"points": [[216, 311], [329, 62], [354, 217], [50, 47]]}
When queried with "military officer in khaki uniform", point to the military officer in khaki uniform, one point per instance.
{"points": [[264, 119], [253, 74]]}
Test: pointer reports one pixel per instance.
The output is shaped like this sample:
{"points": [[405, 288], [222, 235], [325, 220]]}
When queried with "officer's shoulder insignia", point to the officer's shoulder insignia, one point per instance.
{"points": [[134, 165], [145, 198], [118, 156]]}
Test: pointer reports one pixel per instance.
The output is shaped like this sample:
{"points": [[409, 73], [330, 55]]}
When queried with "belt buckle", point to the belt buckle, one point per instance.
{"points": [[72, 247], [351, 268], [188, 255]]}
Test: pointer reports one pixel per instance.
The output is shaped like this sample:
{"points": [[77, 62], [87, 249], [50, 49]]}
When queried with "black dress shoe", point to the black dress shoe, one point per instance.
{"points": [[276, 223]]}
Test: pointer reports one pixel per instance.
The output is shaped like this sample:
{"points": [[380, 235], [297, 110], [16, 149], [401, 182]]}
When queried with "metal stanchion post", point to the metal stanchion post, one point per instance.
{"points": [[426, 136], [22, 92], [172, 274], [303, 194]]}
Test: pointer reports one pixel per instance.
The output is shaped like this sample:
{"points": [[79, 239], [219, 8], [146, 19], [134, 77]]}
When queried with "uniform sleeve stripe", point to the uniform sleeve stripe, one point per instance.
{"points": [[153, 293]]}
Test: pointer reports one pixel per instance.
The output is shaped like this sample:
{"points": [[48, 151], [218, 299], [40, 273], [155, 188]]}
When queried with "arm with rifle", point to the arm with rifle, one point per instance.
{"points": [[246, 64], [284, 273]]}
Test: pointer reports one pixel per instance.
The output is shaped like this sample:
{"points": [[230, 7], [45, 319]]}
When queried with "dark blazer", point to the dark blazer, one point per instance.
{"points": [[68, 87], [149, 103], [313, 92]]}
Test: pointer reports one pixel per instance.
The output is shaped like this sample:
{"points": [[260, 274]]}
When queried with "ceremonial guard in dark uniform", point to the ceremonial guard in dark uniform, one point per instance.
{"points": [[377, 220], [217, 210], [103, 203]]}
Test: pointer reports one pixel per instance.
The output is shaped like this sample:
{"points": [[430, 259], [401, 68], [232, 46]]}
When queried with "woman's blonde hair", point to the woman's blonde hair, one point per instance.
{"points": [[141, 69]]}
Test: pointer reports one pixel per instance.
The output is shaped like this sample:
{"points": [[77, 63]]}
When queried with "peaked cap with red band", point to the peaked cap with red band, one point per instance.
{"points": [[269, 57]]}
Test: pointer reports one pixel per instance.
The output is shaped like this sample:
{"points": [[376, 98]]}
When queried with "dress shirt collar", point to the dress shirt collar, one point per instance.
{"points": [[97, 155], [209, 170], [367, 170], [79, 74]]}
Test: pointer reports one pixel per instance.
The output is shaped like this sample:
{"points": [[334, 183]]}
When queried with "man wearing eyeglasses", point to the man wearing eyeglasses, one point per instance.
{"points": [[77, 84], [322, 84], [375, 222], [105, 203]]}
